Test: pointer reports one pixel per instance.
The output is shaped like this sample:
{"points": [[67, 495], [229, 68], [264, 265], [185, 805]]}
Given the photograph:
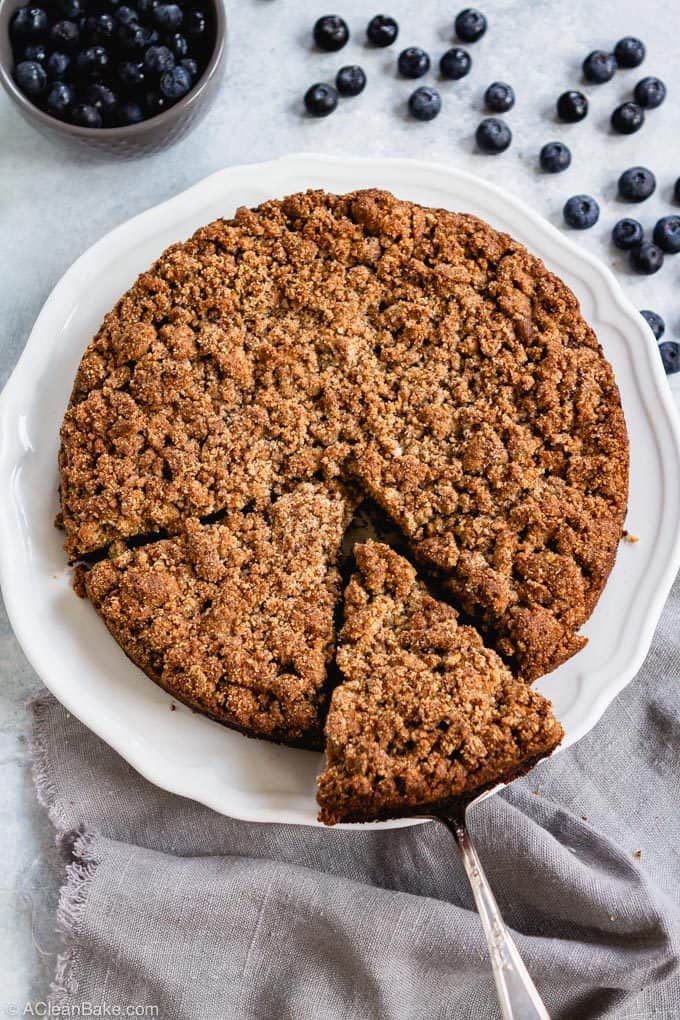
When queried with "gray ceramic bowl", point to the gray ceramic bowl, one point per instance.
{"points": [[137, 139]]}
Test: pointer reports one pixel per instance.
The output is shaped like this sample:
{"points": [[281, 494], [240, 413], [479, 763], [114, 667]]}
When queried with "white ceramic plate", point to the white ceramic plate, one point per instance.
{"points": [[71, 649]]}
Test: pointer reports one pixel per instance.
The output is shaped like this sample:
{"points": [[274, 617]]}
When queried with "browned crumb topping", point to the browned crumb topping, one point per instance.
{"points": [[236, 618], [426, 712], [418, 352]]}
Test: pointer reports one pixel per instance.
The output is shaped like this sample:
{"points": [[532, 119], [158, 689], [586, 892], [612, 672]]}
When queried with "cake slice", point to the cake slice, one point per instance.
{"points": [[426, 712], [236, 618]]}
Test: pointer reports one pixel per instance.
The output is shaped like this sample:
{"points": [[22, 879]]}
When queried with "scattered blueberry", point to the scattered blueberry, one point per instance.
{"points": [[572, 106], [555, 157], [629, 52], [599, 67], [65, 35], [131, 74], [321, 99], [627, 118], [627, 234], [103, 99], [350, 80], [650, 93], [158, 59], [499, 97], [99, 29], [57, 65], [29, 23], [413, 62], [455, 64], [493, 135], [581, 212], [425, 103], [130, 113], [167, 17], [667, 234], [59, 99], [655, 322], [647, 258], [179, 44], [31, 78], [382, 30], [331, 33], [197, 25], [93, 62], [470, 25], [175, 83], [85, 115], [636, 184], [670, 356]]}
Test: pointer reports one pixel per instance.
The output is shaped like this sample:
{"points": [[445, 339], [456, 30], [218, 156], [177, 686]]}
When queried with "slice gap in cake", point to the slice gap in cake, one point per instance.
{"points": [[426, 714], [236, 618]]}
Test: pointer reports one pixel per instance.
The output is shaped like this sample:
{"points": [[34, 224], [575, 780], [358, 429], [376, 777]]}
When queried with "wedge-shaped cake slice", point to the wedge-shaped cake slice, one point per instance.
{"points": [[236, 618], [426, 712]]}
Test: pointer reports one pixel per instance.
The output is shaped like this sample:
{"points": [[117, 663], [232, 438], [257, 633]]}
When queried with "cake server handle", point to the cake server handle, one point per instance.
{"points": [[517, 994]]}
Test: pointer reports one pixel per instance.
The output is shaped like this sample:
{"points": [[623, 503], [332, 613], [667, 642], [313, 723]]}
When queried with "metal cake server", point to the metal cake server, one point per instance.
{"points": [[517, 994]]}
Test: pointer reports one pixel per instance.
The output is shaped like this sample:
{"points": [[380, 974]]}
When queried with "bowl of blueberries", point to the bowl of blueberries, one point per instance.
{"points": [[125, 77]]}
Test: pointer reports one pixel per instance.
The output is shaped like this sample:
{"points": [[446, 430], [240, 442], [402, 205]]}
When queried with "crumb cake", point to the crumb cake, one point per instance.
{"points": [[424, 713], [328, 349]]}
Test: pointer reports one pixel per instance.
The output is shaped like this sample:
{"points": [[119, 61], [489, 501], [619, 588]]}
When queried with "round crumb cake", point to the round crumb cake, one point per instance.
{"points": [[270, 374]]}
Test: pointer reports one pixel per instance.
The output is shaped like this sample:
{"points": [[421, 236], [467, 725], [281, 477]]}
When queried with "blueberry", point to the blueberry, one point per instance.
{"points": [[581, 212], [636, 184], [629, 52], [493, 135], [60, 99], [382, 30], [650, 93], [191, 66], [38, 51], [130, 113], [627, 234], [197, 24], [627, 118], [425, 103], [57, 65], [175, 83], [572, 106], [555, 157], [655, 322], [93, 62], [470, 25], [321, 99], [126, 16], [99, 29], [65, 35], [31, 78], [350, 80], [145, 8], [179, 45], [499, 97], [667, 234], [70, 8], [154, 103], [167, 17], [158, 59], [455, 64], [29, 23], [103, 99], [670, 356], [86, 116], [331, 33], [131, 74], [647, 258], [413, 62], [133, 37], [599, 67]]}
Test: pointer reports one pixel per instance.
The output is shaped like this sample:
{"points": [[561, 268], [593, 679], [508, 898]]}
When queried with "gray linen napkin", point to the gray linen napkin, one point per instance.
{"points": [[170, 905]]}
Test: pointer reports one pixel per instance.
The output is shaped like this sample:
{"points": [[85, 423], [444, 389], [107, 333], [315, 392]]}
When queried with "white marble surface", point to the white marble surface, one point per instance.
{"points": [[53, 205]]}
